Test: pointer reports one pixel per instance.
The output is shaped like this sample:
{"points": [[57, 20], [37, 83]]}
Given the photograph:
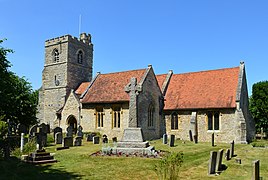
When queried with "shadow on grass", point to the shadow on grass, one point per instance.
{"points": [[14, 168]]}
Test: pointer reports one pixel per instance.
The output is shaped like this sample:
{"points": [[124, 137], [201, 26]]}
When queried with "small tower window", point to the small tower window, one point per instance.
{"points": [[56, 55], [80, 57]]}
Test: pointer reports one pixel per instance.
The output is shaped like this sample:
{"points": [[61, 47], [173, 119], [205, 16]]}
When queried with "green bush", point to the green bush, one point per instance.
{"points": [[28, 148], [50, 139], [169, 165], [3, 129]]}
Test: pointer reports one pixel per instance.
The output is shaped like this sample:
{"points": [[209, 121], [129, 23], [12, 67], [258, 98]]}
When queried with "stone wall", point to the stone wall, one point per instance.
{"points": [[226, 133], [150, 95], [89, 119]]}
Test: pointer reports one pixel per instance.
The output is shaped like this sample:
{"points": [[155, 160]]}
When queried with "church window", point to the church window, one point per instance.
{"points": [[99, 117], [174, 121], [56, 55], [151, 116], [80, 57], [116, 117], [213, 121]]}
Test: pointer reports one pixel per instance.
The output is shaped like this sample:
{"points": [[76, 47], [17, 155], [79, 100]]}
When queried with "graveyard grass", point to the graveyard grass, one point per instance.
{"points": [[76, 163]]}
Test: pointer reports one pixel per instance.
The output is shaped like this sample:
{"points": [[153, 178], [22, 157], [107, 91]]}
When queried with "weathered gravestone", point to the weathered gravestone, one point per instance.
{"points": [[33, 130], [227, 155], [172, 140], [232, 149], [219, 160], [80, 131], [165, 139], [256, 170], [90, 136], [212, 163], [56, 130], [58, 138], [191, 135], [96, 140], [45, 128], [69, 131], [78, 141], [67, 142]]}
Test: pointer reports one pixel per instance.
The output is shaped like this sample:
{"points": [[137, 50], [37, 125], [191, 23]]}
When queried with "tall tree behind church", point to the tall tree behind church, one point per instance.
{"points": [[259, 105]]}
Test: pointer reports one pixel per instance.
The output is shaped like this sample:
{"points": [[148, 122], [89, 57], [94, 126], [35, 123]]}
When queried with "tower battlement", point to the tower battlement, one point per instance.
{"points": [[84, 38]]}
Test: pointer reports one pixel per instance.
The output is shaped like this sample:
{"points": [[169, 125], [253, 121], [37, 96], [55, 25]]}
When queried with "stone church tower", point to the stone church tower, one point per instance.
{"points": [[68, 63]]}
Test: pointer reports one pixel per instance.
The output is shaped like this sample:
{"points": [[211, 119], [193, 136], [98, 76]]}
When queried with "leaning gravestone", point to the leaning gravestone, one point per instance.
{"points": [[172, 140], [90, 136], [96, 140], [232, 149], [228, 154], [212, 140], [219, 160], [191, 135], [212, 163], [58, 138], [165, 139], [78, 141], [56, 130], [256, 170]]}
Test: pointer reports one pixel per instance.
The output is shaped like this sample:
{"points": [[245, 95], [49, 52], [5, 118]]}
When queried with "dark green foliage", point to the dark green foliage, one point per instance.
{"points": [[259, 105], [168, 167], [18, 100], [3, 129]]}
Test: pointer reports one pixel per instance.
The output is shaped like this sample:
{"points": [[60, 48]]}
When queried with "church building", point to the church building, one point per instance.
{"points": [[190, 105]]}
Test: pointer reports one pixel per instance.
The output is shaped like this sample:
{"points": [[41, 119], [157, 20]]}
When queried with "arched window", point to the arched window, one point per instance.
{"points": [[80, 57], [213, 120], [56, 55], [151, 116], [174, 121], [116, 117]]}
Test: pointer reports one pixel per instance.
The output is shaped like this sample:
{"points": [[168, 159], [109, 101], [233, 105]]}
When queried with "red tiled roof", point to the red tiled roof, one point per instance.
{"points": [[83, 86], [111, 87], [160, 79], [205, 89]]}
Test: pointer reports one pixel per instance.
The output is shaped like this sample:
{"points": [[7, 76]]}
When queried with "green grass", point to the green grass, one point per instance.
{"points": [[76, 163]]}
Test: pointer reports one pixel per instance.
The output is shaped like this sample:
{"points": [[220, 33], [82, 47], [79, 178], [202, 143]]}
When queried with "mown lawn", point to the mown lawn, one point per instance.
{"points": [[76, 163]]}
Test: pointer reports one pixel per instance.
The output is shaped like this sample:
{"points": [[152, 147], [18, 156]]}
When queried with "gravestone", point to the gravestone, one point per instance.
{"points": [[90, 136], [165, 139], [212, 139], [78, 141], [232, 149], [69, 131], [56, 130], [256, 170], [114, 139], [21, 142], [33, 130], [172, 140], [45, 128], [22, 128], [96, 140], [219, 160], [227, 156], [104, 139], [80, 131], [42, 135], [195, 139], [191, 135], [212, 163], [58, 138], [67, 142]]}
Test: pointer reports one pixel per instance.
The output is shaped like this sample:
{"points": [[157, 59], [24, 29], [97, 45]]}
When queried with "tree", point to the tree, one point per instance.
{"points": [[259, 105], [18, 100]]}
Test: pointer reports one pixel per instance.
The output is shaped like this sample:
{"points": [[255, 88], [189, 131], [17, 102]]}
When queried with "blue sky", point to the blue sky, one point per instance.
{"points": [[184, 36]]}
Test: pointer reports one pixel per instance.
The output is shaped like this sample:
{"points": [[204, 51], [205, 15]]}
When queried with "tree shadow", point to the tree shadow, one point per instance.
{"points": [[14, 168]]}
